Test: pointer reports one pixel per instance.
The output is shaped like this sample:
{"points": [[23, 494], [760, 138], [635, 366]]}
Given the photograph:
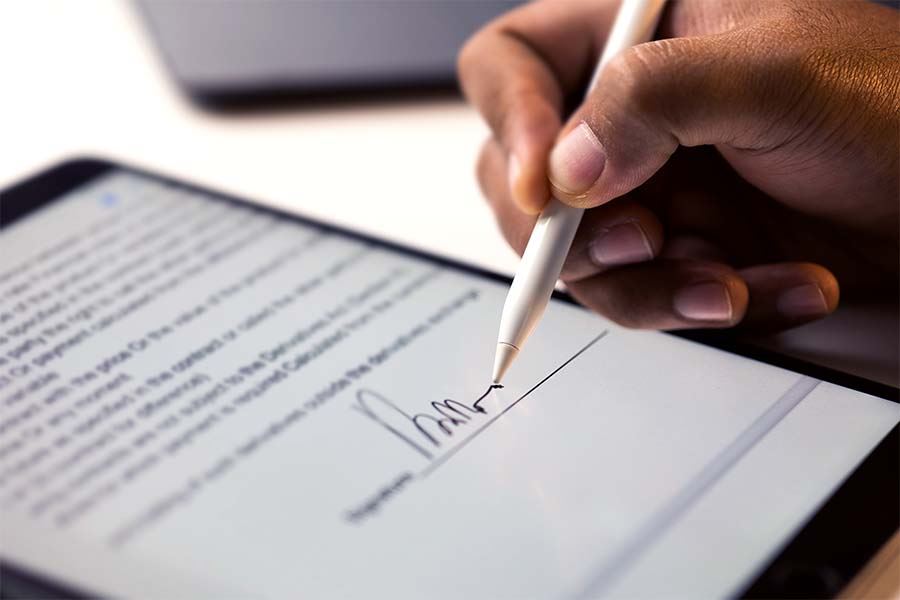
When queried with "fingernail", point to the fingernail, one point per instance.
{"points": [[620, 245], [577, 161], [707, 301], [805, 300]]}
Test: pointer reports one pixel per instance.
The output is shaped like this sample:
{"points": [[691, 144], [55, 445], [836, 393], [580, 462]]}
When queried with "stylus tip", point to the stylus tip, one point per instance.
{"points": [[506, 354]]}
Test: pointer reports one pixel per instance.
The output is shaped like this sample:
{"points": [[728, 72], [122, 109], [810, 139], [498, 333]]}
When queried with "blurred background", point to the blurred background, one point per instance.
{"points": [[286, 102], [342, 110]]}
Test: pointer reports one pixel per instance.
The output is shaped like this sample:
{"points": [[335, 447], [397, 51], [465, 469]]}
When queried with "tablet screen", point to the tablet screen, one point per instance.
{"points": [[203, 398]]}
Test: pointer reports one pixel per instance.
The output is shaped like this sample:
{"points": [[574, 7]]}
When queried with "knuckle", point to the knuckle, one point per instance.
{"points": [[519, 108], [625, 315], [467, 61], [568, 274], [629, 321], [576, 267], [655, 86], [497, 105], [468, 57], [636, 70], [626, 72], [611, 303]]}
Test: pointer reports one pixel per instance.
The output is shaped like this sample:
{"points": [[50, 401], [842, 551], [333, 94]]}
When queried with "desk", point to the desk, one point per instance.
{"points": [[83, 78]]}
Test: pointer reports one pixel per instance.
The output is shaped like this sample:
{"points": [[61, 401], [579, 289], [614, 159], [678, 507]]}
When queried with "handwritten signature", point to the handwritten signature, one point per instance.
{"points": [[421, 431]]}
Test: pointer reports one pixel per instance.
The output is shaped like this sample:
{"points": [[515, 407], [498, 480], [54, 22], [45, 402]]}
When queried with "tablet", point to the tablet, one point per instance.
{"points": [[205, 398]]}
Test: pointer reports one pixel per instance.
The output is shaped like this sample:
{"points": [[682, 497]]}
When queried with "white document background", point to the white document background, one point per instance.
{"points": [[646, 466]]}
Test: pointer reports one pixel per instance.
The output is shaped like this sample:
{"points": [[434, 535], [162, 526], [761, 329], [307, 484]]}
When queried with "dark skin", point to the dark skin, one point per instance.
{"points": [[741, 171]]}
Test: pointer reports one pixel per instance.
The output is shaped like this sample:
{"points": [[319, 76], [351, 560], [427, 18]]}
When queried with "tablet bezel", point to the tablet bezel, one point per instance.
{"points": [[820, 559]]}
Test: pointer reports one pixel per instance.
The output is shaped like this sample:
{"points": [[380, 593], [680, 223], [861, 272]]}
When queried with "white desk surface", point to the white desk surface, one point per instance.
{"points": [[83, 78]]}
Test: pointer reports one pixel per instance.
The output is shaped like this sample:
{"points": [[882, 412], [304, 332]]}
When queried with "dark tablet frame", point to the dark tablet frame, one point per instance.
{"points": [[830, 548]]}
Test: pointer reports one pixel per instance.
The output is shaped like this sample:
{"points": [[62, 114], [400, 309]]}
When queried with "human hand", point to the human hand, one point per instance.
{"points": [[741, 170]]}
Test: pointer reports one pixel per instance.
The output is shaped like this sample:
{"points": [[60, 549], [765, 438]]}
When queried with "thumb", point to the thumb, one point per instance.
{"points": [[654, 97]]}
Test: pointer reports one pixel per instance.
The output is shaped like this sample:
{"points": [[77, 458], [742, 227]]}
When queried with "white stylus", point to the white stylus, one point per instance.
{"points": [[555, 229]]}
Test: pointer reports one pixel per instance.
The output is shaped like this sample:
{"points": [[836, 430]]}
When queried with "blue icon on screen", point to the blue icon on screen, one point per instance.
{"points": [[109, 200]]}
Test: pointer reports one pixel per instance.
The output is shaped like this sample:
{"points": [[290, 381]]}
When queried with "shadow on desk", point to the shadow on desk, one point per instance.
{"points": [[284, 101]]}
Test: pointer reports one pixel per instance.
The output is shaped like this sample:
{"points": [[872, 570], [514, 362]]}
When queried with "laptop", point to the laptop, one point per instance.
{"points": [[224, 52]]}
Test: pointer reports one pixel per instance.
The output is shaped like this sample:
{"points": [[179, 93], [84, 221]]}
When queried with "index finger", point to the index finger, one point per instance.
{"points": [[518, 70]]}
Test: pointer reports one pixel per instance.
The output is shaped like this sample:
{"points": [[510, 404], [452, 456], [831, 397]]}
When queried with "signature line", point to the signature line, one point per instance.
{"points": [[443, 458]]}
